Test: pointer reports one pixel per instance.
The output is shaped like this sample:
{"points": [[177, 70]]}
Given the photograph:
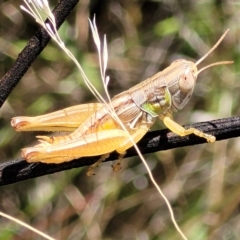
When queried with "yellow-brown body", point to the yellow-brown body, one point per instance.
{"points": [[98, 129]]}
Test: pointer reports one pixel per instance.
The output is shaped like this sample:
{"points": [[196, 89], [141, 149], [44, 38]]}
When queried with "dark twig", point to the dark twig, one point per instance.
{"points": [[18, 170], [34, 47]]}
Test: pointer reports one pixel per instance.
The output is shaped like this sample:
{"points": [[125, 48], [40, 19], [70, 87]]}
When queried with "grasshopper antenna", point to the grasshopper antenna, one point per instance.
{"points": [[210, 51], [213, 48], [214, 64]]}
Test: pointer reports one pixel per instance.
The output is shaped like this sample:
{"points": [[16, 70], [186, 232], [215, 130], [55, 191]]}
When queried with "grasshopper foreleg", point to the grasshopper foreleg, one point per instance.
{"points": [[181, 131]]}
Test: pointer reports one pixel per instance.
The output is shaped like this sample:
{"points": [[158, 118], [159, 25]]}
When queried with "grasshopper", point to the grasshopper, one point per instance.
{"points": [[94, 131]]}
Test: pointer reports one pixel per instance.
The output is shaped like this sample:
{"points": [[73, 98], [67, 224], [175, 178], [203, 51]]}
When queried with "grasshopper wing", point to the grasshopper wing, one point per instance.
{"points": [[67, 120]]}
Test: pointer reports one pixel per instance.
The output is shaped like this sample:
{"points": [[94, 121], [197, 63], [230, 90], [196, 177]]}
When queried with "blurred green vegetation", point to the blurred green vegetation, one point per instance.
{"points": [[201, 182]]}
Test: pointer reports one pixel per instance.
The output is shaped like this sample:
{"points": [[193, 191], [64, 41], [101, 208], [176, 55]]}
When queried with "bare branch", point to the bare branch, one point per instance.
{"points": [[19, 170], [34, 47]]}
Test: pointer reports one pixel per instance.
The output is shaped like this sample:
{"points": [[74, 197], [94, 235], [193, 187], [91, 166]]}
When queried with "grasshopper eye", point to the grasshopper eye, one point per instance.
{"points": [[186, 81]]}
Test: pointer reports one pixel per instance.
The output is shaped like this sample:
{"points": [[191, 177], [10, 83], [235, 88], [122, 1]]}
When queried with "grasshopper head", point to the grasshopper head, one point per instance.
{"points": [[187, 73], [182, 86]]}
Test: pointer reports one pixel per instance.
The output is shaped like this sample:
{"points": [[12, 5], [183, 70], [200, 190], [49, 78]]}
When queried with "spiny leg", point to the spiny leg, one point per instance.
{"points": [[99, 143], [118, 165], [181, 131], [90, 171]]}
